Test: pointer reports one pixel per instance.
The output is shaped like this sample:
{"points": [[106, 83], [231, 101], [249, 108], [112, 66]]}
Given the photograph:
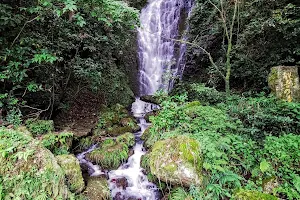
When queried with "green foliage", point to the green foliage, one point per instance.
{"points": [[52, 49], [252, 195], [265, 35], [58, 143], [233, 155], [110, 154], [39, 127]]}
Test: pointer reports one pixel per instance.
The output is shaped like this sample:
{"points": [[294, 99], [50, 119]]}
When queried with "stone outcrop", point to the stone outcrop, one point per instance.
{"points": [[284, 83], [97, 189]]}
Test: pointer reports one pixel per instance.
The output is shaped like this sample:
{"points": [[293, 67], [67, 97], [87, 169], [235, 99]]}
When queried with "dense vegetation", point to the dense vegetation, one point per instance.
{"points": [[265, 34], [52, 50], [242, 141]]}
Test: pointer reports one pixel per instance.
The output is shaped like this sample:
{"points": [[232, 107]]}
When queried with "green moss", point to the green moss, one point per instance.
{"points": [[110, 155], [127, 138], [85, 143], [71, 168], [39, 127], [252, 195], [28, 170], [177, 160], [116, 131], [192, 104], [97, 189]]}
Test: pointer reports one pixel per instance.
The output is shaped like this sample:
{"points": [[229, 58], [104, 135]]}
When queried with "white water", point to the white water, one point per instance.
{"points": [[158, 57]]}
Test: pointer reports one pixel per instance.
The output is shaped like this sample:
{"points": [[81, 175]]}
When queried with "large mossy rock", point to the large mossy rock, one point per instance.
{"points": [[71, 168], [28, 170], [97, 189], [112, 152], [284, 83], [252, 195], [177, 161]]}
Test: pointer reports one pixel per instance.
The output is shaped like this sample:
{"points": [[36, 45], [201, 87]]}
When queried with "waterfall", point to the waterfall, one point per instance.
{"points": [[160, 56]]}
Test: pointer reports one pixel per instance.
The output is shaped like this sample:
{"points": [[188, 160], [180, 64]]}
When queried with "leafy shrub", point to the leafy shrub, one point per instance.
{"points": [[40, 127], [58, 143]]}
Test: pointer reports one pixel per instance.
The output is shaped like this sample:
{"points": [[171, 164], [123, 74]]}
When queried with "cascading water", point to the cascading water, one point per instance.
{"points": [[159, 53], [160, 58]]}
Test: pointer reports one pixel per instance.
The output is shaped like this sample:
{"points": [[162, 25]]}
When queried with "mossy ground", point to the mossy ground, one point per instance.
{"points": [[39, 127], [252, 195]]}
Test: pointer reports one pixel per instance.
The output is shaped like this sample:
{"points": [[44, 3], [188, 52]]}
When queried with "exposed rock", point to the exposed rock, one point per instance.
{"points": [[252, 195], [284, 83], [97, 189], [270, 184], [121, 182], [71, 168], [25, 161], [151, 99], [177, 161], [39, 127]]}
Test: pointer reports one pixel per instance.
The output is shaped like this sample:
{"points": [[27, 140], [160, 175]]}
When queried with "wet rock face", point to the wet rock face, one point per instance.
{"points": [[177, 161], [71, 168], [284, 83], [121, 182]]}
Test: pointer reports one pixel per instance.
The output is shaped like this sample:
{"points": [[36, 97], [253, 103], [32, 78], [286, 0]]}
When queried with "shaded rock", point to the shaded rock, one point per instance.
{"points": [[25, 161], [71, 168], [97, 189], [121, 182], [110, 154], [177, 161], [284, 83], [151, 99], [270, 184], [39, 127], [252, 195]]}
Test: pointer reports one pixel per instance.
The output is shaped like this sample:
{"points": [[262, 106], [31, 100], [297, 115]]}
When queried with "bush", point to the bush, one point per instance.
{"points": [[40, 127]]}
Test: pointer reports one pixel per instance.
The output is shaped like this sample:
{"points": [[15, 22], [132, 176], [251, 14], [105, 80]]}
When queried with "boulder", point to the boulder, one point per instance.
{"points": [[97, 189], [284, 83], [71, 168], [110, 154], [151, 99], [270, 184], [177, 161], [28, 170], [252, 195]]}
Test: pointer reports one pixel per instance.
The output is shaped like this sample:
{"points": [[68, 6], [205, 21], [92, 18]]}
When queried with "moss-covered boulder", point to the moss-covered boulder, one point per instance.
{"points": [[151, 99], [97, 189], [115, 121], [28, 170], [284, 83], [110, 154], [252, 195], [39, 127], [71, 168], [58, 143], [127, 138], [177, 161]]}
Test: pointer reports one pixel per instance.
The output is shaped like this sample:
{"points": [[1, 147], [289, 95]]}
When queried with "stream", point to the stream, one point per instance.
{"points": [[160, 60]]}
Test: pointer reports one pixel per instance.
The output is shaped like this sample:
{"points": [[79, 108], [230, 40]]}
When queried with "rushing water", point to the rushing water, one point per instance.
{"points": [[161, 58], [159, 53]]}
